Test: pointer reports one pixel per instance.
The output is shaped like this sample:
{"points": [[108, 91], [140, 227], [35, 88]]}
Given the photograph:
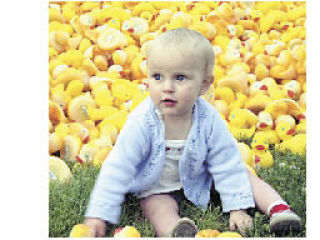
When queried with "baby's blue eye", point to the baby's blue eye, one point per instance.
{"points": [[180, 77], [156, 76]]}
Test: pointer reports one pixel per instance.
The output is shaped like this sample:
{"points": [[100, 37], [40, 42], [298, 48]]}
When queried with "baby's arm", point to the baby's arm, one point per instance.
{"points": [[117, 173], [229, 173]]}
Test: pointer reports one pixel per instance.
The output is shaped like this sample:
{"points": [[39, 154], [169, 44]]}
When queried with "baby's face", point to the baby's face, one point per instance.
{"points": [[175, 80]]}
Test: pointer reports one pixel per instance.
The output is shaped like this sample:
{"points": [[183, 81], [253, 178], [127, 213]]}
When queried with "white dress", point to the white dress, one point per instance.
{"points": [[170, 177]]}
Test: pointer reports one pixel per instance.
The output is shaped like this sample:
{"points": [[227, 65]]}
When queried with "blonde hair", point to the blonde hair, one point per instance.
{"points": [[183, 37]]}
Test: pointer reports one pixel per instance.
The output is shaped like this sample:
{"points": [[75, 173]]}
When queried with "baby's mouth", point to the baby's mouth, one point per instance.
{"points": [[168, 102]]}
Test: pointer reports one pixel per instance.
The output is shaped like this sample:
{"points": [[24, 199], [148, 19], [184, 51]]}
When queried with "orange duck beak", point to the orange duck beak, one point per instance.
{"points": [[260, 147], [291, 132]]}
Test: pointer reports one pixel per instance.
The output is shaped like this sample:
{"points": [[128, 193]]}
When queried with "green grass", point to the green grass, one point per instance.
{"points": [[67, 203]]}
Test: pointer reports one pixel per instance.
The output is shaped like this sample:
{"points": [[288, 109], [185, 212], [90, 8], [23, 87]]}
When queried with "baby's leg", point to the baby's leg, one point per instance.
{"points": [[264, 194], [267, 199], [162, 211]]}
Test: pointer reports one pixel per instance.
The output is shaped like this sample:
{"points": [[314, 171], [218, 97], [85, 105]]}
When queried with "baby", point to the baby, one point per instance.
{"points": [[175, 141]]}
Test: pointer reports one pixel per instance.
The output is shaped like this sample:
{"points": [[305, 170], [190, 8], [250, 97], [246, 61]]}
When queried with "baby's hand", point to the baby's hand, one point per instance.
{"points": [[241, 220], [98, 226]]}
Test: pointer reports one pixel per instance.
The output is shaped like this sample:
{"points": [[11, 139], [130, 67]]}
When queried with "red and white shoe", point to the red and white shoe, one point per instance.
{"points": [[283, 219]]}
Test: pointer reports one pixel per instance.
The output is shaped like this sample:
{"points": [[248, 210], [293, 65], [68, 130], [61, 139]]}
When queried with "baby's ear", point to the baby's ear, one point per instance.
{"points": [[206, 84]]}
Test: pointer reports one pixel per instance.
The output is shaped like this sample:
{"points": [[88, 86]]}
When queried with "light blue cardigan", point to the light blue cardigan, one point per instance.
{"points": [[135, 163]]}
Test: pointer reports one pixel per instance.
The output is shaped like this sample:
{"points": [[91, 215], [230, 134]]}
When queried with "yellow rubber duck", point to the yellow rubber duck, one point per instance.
{"points": [[292, 89], [258, 87], [117, 118], [296, 144], [89, 151], [111, 39], [242, 123], [282, 72], [80, 231], [271, 136], [56, 113], [261, 71], [258, 102], [261, 155], [287, 118], [240, 101], [72, 146], [276, 92], [66, 75], [242, 118], [284, 131], [265, 121], [59, 96], [112, 12], [79, 130], [228, 234], [161, 18], [136, 27], [283, 107], [207, 233], [222, 107], [224, 93], [58, 170], [55, 143], [301, 127], [75, 88], [78, 107], [126, 232], [143, 7], [302, 101], [236, 79]]}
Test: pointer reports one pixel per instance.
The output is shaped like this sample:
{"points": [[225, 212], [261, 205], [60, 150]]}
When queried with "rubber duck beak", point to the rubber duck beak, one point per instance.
{"points": [[86, 139], [79, 159], [301, 116], [260, 147], [264, 87], [291, 132], [263, 125], [291, 93]]}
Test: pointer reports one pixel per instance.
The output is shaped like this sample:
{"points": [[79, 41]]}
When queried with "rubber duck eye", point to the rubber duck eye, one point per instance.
{"points": [[156, 76], [255, 141], [282, 128], [233, 116], [265, 142], [180, 77]]}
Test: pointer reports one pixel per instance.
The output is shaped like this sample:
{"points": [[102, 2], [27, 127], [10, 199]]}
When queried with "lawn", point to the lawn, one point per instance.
{"points": [[67, 203]]}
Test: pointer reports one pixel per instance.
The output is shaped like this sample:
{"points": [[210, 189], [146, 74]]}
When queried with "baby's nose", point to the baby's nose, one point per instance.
{"points": [[168, 86]]}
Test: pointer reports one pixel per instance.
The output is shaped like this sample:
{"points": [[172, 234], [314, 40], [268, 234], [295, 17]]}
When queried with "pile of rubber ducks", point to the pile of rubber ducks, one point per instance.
{"points": [[98, 72], [82, 231]]}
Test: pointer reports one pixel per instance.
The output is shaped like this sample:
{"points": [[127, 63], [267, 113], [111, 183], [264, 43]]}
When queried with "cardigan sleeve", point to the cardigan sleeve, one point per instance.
{"points": [[118, 171], [227, 168]]}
